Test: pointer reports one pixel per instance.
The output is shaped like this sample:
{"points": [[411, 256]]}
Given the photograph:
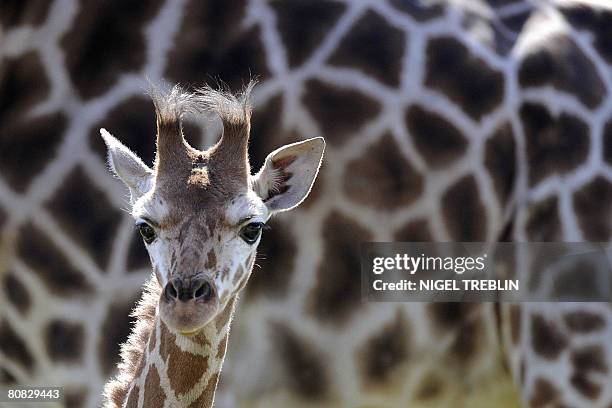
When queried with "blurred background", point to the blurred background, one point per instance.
{"points": [[443, 121]]}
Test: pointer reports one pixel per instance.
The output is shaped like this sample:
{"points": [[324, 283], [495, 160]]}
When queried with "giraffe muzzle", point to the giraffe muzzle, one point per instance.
{"points": [[188, 303], [184, 290]]}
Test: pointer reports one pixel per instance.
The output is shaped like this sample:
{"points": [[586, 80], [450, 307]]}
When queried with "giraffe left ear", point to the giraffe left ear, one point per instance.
{"points": [[127, 166], [288, 173]]}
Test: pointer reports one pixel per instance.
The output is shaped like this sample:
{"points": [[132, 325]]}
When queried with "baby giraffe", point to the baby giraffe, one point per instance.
{"points": [[200, 214]]}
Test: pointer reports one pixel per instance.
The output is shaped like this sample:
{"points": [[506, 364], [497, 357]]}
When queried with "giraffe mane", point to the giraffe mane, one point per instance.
{"points": [[133, 349]]}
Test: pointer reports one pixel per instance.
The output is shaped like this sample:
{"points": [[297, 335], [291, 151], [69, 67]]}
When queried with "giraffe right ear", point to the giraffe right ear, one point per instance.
{"points": [[127, 166]]}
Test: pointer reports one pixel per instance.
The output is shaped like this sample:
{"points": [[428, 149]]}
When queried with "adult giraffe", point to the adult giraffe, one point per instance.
{"points": [[444, 121]]}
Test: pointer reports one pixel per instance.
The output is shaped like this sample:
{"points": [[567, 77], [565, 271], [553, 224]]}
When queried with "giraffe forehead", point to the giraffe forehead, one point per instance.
{"points": [[243, 206]]}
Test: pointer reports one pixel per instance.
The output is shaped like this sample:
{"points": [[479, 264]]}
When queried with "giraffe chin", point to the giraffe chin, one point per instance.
{"points": [[187, 318]]}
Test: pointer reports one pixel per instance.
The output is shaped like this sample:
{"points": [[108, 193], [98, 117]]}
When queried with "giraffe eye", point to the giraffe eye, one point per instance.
{"points": [[147, 232], [250, 232]]}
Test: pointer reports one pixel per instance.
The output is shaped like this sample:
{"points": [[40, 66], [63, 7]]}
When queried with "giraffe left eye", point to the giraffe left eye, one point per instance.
{"points": [[250, 232]]}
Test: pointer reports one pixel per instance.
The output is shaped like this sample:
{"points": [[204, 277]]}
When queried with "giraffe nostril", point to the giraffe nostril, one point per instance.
{"points": [[204, 291], [170, 291]]}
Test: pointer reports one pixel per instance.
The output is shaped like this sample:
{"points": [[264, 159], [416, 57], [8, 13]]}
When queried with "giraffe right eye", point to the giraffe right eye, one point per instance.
{"points": [[147, 232]]}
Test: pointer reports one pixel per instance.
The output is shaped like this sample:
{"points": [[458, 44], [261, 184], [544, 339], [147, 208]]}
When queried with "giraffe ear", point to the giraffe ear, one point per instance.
{"points": [[288, 173], [127, 166]]}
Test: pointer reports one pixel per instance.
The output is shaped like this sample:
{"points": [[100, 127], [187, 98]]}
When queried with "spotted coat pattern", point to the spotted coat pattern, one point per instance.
{"points": [[481, 121]]}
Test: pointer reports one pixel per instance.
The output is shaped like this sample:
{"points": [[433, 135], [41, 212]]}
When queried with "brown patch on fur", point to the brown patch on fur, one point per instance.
{"points": [[590, 358], [211, 260], [607, 143], [303, 25], [213, 38], [106, 40], [584, 321], [49, 263], [6, 378], [385, 351], [23, 84], [184, 369], [500, 160], [208, 395], [201, 339], [276, 256], [465, 322], [593, 209], [138, 257], [132, 351], [132, 401], [224, 273], [383, 177], [16, 293], [468, 340], [585, 386], [64, 340], [544, 394], [116, 328], [166, 340], [75, 397], [414, 231], [555, 144], [222, 348], [374, 47], [304, 366], [339, 112], [250, 262], [152, 340], [547, 340], [595, 19], [543, 223], [463, 77], [585, 361], [437, 139], [430, 387], [464, 212], [522, 371], [14, 13], [559, 61], [154, 395], [226, 315], [578, 281], [77, 199], [14, 347], [336, 300]]}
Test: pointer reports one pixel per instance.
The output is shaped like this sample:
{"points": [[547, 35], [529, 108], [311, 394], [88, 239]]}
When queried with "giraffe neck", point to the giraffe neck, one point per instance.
{"points": [[178, 370]]}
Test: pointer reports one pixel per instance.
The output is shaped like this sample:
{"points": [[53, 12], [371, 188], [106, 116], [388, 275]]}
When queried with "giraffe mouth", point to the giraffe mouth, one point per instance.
{"points": [[189, 333], [188, 317]]}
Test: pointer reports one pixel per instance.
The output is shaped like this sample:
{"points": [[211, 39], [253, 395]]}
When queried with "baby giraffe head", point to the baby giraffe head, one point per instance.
{"points": [[201, 213]]}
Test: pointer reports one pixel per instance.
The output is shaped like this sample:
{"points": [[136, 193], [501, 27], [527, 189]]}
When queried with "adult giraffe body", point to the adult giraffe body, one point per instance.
{"points": [[448, 121]]}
